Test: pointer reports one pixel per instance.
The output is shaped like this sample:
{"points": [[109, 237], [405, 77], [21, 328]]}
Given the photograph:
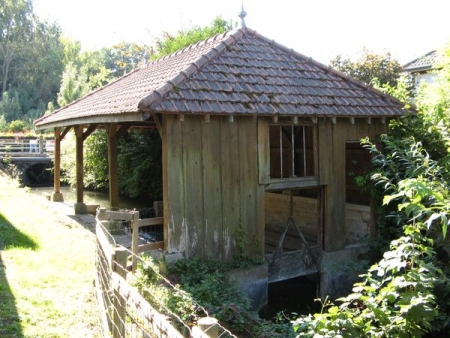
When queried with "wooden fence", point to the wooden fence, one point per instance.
{"points": [[125, 312]]}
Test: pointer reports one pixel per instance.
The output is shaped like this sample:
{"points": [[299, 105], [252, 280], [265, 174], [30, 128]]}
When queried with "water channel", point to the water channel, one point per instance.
{"points": [[94, 197]]}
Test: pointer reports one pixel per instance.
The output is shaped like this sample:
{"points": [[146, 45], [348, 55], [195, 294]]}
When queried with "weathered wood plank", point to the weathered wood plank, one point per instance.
{"points": [[250, 192], [104, 244], [193, 185], [285, 184], [212, 186], [173, 184], [151, 221], [119, 215], [291, 265], [335, 229], [263, 150], [231, 185], [150, 246]]}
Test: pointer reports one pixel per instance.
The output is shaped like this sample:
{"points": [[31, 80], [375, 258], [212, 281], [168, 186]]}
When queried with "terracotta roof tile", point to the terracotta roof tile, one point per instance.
{"points": [[239, 72]]}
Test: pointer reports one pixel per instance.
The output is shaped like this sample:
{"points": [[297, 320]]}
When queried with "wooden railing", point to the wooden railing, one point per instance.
{"points": [[125, 312], [136, 223], [26, 146]]}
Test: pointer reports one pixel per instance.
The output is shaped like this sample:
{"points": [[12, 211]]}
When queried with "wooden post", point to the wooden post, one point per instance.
{"points": [[41, 144], [80, 207], [119, 317], [135, 240], [113, 167], [79, 162], [56, 196], [209, 326]]}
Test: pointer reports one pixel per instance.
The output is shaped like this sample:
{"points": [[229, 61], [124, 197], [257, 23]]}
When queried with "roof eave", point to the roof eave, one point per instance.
{"points": [[98, 119]]}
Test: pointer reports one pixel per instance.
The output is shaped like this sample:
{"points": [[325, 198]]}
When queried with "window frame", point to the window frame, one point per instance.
{"points": [[276, 184]]}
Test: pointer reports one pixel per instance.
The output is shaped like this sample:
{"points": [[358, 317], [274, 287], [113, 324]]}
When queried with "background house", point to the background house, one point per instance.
{"points": [[421, 69]]}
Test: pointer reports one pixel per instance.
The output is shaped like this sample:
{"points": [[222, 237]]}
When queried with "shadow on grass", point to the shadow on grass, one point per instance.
{"points": [[10, 237]]}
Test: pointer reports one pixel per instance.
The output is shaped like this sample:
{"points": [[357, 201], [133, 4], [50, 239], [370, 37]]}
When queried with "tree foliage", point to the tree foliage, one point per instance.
{"points": [[406, 293], [169, 43], [30, 57], [125, 57], [369, 66], [74, 84]]}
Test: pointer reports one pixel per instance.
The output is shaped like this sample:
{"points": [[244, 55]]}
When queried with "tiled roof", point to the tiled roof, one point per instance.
{"points": [[422, 63], [238, 72]]}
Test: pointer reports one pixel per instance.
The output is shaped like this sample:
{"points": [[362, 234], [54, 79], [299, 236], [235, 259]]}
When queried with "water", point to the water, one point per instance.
{"points": [[95, 197], [296, 295]]}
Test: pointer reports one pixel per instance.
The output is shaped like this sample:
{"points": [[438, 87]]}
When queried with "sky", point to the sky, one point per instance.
{"points": [[320, 29]]}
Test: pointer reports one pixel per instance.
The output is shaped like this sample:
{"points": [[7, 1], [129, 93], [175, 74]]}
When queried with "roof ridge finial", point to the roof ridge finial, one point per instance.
{"points": [[242, 15]]}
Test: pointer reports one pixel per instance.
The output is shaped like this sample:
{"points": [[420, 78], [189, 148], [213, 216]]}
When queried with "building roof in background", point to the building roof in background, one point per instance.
{"points": [[235, 73], [423, 63]]}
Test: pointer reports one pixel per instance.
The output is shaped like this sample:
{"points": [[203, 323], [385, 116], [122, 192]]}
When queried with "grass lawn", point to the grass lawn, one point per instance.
{"points": [[46, 269]]}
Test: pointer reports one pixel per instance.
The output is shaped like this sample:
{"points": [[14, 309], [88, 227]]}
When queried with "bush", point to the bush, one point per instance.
{"points": [[405, 293], [17, 126]]}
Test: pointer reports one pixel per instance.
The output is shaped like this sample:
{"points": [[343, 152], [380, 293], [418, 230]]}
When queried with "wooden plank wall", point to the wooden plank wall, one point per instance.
{"points": [[210, 179], [332, 171]]}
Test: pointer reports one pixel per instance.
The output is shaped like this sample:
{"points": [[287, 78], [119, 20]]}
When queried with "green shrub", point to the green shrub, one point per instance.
{"points": [[17, 126]]}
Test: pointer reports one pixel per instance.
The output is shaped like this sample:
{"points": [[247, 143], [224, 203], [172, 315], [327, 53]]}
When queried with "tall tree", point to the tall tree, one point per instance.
{"points": [[124, 57], [369, 66], [74, 84], [16, 22]]}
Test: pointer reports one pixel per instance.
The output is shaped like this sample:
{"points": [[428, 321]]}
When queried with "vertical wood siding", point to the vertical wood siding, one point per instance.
{"points": [[211, 177]]}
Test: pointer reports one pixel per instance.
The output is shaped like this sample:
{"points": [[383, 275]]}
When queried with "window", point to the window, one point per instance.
{"points": [[357, 165], [292, 152]]}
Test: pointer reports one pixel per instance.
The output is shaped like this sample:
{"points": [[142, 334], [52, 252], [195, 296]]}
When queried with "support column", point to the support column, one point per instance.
{"points": [[80, 207], [57, 196], [113, 166]]}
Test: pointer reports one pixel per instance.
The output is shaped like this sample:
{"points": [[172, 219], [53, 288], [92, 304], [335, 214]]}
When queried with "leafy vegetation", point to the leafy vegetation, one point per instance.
{"points": [[405, 293], [205, 285], [398, 296], [171, 43], [369, 66]]}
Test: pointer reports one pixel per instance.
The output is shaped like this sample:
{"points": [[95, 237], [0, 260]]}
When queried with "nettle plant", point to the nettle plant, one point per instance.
{"points": [[399, 295]]}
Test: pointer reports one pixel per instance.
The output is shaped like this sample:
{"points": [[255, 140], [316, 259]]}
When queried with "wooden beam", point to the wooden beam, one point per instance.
{"points": [[64, 133], [79, 162], [314, 119], [158, 123], [122, 130], [275, 119], [286, 184], [111, 132], [57, 162], [89, 131]]}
